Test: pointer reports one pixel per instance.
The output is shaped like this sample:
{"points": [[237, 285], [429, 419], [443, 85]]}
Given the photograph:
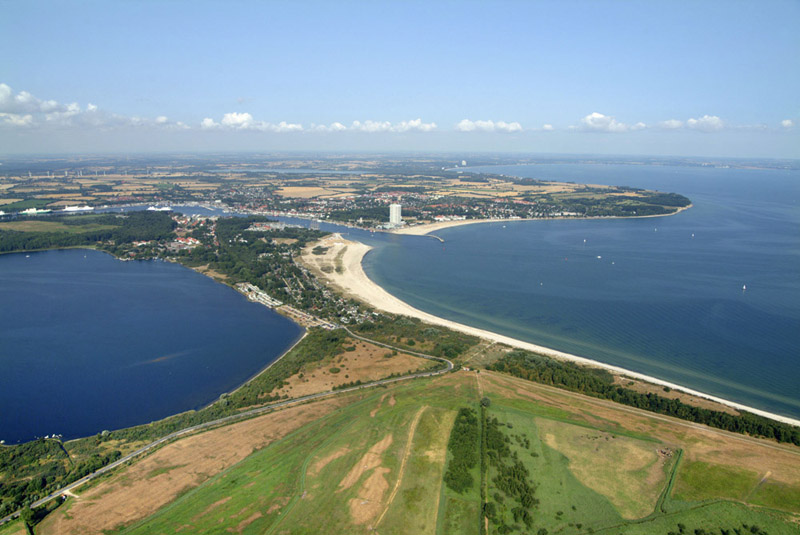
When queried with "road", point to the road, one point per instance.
{"points": [[240, 416]]}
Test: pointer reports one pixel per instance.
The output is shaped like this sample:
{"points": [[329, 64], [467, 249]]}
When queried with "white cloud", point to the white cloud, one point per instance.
{"points": [[333, 127], [547, 127], [237, 120], [671, 124], [208, 124], [283, 126], [787, 123], [371, 126], [467, 125], [16, 119], [414, 125], [597, 122], [25, 110], [706, 123], [245, 121]]}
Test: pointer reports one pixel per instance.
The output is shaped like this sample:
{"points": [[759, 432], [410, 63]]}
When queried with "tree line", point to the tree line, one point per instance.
{"points": [[463, 446], [599, 383]]}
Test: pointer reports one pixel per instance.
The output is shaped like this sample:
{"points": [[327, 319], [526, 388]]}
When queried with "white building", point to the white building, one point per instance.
{"points": [[395, 217]]}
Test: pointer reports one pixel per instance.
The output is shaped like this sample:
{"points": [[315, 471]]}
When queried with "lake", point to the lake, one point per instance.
{"points": [[88, 342]]}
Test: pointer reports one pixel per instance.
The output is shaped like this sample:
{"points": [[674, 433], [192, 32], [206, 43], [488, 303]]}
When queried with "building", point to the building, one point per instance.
{"points": [[395, 217]]}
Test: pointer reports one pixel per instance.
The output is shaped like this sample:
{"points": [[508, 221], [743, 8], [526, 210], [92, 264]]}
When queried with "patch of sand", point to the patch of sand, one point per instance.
{"points": [[205, 270], [210, 508], [131, 495], [370, 497], [279, 504], [374, 411], [317, 467], [246, 522], [370, 461]]}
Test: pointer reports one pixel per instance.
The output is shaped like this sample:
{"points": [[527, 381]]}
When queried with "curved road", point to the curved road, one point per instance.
{"points": [[241, 416]]}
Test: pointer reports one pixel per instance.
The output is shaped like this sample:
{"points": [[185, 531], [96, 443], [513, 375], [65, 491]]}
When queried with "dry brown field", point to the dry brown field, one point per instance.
{"points": [[366, 363], [146, 486]]}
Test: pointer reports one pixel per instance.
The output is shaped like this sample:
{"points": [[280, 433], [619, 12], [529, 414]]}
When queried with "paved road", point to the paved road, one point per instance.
{"points": [[240, 416]]}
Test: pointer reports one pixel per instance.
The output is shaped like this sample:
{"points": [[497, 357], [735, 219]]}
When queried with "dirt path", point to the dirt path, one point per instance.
{"points": [[406, 455]]}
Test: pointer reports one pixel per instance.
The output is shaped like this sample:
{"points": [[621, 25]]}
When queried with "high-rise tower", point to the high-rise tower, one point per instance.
{"points": [[395, 217]]}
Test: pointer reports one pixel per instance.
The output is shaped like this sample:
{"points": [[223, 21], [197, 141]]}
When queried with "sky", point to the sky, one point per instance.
{"points": [[680, 78]]}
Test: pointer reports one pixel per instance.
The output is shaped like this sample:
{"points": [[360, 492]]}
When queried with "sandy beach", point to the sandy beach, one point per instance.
{"points": [[340, 267]]}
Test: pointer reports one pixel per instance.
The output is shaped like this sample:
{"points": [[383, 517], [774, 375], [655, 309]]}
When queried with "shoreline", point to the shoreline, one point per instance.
{"points": [[354, 282], [426, 228]]}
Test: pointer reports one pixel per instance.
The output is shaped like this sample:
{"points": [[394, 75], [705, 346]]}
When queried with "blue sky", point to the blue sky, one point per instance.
{"points": [[614, 77]]}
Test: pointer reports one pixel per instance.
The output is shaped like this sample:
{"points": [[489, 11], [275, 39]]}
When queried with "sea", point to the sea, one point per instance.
{"points": [[708, 298], [89, 343]]}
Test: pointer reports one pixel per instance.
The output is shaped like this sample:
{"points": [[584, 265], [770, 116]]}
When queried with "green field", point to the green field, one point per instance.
{"points": [[52, 226], [376, 465]]}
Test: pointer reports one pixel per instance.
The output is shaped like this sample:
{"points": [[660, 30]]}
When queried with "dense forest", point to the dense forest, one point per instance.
{"points": [[89, 231]]}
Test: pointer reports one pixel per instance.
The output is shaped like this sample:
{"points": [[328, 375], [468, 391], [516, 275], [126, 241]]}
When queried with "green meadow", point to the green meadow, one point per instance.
{"points": [[377, 465]]}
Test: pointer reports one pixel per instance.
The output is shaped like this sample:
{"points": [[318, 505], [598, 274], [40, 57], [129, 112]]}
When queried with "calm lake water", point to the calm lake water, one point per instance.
{"points": [[661, 296], [89, 343]]}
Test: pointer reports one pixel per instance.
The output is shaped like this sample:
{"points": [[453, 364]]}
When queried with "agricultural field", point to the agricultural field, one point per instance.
{"points": [[375, 460], [54, 226]]}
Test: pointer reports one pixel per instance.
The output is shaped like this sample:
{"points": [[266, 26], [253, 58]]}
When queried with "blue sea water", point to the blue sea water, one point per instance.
{"points": [[661, 296], [89, 343]]}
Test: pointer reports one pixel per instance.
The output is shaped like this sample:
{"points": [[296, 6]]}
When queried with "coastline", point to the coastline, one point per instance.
{"points": [[353, 282], [427, 228]]}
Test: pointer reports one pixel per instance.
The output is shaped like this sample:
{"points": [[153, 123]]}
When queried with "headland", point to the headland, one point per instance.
{"points": [[426, 228]]}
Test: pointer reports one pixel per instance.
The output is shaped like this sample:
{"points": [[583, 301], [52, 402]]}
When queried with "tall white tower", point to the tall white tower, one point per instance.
{"points": [[395, 217]]}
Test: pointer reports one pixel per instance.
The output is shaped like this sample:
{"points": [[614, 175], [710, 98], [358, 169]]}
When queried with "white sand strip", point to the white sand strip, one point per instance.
{"points": [[354, 282]]}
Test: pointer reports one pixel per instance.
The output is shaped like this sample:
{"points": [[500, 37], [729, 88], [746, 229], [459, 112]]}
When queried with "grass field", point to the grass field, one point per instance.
{"points": [[375, 464], [51, 226], [13, 528], [631, 473]]}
